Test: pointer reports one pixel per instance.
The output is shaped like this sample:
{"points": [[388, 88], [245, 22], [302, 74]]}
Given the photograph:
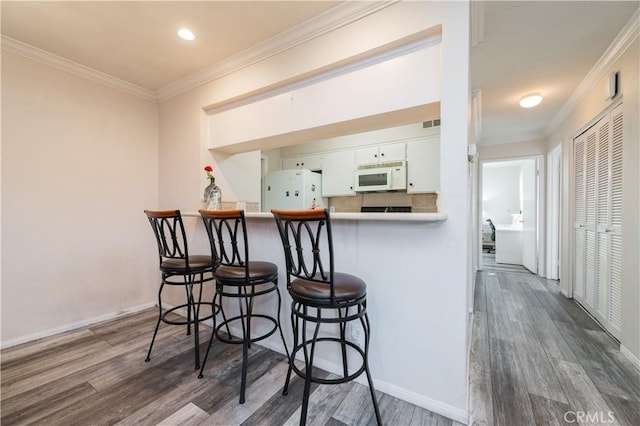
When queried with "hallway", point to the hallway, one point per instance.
{"points": [[537, 358]]}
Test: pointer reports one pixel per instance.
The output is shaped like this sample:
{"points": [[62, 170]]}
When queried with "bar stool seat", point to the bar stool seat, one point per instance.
{"points": [[346, 287], [257, 271], [197, 263]]}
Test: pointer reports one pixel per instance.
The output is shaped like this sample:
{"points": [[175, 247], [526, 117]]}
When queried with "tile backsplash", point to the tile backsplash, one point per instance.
{"points": [[246, 206], [420, 203]]}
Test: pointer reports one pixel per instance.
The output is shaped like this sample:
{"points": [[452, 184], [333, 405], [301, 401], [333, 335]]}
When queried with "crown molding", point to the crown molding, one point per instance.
{"points": [[26, 50], [334, 18], [615, 50]]}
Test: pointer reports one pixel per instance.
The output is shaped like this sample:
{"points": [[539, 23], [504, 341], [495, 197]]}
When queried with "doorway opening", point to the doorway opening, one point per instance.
{"points": [[510, 214]]}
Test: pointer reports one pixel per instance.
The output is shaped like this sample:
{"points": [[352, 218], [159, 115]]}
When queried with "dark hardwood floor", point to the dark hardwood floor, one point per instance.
{"points": [[536, 359]]}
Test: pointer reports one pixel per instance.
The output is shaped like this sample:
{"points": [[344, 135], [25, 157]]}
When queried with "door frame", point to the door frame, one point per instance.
{"points": [[540, 203], [554, 206]]}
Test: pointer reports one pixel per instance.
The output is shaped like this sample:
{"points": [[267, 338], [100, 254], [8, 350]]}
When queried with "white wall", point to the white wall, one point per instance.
{"points": [[512, 150], [500, 192], [593, 104], [420, 322], [79, 164]]}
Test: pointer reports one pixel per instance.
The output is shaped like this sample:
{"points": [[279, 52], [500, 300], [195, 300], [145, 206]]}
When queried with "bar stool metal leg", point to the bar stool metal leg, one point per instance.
{"points": [[246, 336], [155, 331], [295, 326], [213, 331], [364, 321]]}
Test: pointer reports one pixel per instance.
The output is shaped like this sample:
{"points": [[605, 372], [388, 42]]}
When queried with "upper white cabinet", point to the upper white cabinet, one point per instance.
{"points": [[380, 154], [338, 173], [423, 165], [311, 162]]}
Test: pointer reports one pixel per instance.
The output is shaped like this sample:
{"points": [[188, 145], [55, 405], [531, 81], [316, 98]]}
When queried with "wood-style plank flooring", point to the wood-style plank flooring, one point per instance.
{"points": [[489, 264], [97, 376], [535, 356], [538, 359]]}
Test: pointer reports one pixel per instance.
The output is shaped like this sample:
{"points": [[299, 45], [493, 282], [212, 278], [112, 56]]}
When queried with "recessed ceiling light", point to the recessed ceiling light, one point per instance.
{"points": [[186, 34], [531, 100]]}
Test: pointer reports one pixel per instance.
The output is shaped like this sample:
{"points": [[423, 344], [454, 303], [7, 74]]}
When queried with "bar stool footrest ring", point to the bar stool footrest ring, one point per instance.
{"points": [[335, 381], [238, 341], [185, 322]]}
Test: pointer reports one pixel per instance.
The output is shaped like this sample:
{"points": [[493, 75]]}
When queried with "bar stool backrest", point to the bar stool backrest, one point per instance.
{"points": [[227, 236], [308, 245], [170, 235]]}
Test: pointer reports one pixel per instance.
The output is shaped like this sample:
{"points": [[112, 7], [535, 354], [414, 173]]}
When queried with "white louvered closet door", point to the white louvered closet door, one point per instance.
{"points": [[579, 218], [591, 288], [615, 225], [603, 214], [597, 242]]}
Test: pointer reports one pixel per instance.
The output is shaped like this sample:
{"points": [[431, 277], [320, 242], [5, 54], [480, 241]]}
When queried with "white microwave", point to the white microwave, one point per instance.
{"points": [[381, 177]]}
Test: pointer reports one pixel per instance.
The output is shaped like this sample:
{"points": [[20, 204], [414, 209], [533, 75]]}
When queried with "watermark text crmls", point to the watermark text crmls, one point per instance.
{"points": [[601, 417]]}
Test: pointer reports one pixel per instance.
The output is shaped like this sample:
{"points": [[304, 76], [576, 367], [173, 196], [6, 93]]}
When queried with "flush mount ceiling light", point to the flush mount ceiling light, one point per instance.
{"points": [[186, 34], [531, 100]]}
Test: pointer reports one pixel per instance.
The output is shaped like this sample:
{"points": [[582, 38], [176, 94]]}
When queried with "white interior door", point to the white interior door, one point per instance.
{"points": [[530, 215]]}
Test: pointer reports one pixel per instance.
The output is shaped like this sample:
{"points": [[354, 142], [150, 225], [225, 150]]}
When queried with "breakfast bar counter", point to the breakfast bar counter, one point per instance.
{"points": [[390, 217], [400, 257]]}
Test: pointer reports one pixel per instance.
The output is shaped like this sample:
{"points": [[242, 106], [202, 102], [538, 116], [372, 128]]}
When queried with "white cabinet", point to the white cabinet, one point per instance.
{"points": [[509, 244], [338, 173], [380, 154], [311, 162], [423, 165]]}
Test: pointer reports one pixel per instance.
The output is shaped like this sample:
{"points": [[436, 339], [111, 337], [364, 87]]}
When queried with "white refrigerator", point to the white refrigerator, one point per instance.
{"points": [[293, 189]]}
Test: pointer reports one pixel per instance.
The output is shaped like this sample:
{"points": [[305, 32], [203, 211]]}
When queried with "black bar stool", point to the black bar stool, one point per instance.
{"points": [[179, 268], [239, 278], [321, 296]]}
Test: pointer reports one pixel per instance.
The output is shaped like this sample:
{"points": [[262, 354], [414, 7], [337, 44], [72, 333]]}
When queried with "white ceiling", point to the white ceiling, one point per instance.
{"points": [[136, 41], [526, 46], [538, 46]]}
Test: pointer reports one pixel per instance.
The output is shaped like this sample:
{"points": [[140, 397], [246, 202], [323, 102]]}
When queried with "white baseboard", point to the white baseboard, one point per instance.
{"points": [[454, 413], [75, 325], [631, 357]]}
